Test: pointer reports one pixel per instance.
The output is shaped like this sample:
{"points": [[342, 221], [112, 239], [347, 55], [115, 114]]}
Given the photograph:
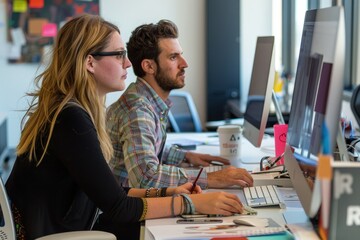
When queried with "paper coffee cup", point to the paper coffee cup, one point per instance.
{"points": [[230, 143]]}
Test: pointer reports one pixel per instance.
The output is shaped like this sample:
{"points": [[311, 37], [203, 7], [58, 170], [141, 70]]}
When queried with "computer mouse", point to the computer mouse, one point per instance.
{"points": [[252, 222]]}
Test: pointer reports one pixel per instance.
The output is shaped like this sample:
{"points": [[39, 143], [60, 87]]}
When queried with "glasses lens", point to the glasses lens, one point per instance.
{"points": [[122, 56]]}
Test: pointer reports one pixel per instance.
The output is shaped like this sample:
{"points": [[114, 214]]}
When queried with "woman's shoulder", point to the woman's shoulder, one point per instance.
{"points": [[72, 110], [74, 115]]}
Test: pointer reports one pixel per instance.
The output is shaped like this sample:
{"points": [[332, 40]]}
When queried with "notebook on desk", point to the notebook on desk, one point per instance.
{"points": [[278, 233], [200, 231]]}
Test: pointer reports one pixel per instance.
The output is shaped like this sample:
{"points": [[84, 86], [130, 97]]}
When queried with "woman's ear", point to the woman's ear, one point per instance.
{"points": [[90, 63], [149, 66]]}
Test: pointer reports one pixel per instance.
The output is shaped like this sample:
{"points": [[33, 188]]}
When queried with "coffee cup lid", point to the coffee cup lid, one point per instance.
{"points": [[229, 128]]}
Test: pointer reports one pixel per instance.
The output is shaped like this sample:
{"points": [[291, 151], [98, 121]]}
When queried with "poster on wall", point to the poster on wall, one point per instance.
{"points": [[34, 24]]}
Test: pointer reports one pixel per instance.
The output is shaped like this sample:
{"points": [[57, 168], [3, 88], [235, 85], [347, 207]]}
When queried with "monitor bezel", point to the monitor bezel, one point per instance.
{"points": [[310, 197], [254, 134]]}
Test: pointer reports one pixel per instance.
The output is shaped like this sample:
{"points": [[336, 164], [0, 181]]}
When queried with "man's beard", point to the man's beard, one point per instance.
{"points": [[167, 83]]}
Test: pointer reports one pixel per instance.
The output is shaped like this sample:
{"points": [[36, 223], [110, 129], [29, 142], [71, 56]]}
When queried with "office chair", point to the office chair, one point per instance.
{"points": [[7, 226], [355, 103], [183, 116]]}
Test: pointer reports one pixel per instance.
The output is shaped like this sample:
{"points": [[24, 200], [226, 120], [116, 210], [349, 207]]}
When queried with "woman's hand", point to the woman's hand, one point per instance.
{"points": [[185, 188], [217, 203]]}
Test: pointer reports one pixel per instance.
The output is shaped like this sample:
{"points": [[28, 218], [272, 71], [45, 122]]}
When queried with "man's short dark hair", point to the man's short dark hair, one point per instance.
{"points": [[143, 42]]}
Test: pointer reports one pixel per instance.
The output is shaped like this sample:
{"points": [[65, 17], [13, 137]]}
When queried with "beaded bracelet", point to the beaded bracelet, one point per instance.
{"points": [[147, 192], [189, 205], [143, 215], [158, 192], [163, 192]]}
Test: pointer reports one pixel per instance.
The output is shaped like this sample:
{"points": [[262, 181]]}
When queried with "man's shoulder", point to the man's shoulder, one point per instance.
{"points": [[128, 101], [134, 99]]}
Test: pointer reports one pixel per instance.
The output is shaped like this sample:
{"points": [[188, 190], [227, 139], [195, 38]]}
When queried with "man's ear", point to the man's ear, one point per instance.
{"points": [[149, 66], [90, 63]]}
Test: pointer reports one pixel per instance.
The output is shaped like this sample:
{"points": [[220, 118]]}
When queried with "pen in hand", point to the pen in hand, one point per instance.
{"points": [[197, 178]]}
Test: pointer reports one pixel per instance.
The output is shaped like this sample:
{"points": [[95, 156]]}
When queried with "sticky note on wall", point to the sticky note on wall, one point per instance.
{"points": [[36, 3], [49, 30], [20, 6], [35, 26]]}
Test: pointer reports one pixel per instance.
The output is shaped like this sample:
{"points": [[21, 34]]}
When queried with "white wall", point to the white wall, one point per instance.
{"points": [[189, 15], [255, 20]]}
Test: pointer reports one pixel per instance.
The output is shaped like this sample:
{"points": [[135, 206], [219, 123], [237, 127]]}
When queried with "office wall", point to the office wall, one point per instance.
{"points": [[189, 15], [255, 20]]}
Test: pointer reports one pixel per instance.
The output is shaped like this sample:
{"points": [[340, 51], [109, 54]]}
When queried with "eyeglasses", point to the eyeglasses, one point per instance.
{"points": [[121, 55]]}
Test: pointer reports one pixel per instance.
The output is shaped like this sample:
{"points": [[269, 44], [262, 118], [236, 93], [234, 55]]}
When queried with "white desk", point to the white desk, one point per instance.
{"points": [[250, 157], [167, 228]]}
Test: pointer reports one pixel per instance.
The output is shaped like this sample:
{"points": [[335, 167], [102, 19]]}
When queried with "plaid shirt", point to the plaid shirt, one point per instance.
{"points": [[137, 125]]}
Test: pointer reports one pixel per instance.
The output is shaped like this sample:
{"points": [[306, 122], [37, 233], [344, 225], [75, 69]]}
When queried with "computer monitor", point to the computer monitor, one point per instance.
{"points": [[3, 138], [316, 99], [260, 91]]}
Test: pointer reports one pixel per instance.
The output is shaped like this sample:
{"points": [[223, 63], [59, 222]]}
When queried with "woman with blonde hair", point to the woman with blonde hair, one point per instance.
{"points": [[61, 179]]}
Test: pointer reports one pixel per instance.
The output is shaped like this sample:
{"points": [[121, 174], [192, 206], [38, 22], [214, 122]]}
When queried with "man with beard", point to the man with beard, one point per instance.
{"points": [[137, 121]]}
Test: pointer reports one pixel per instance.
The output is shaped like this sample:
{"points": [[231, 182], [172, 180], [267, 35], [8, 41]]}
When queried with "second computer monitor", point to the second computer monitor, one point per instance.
{"points": [[316, 100], [260, 91]]}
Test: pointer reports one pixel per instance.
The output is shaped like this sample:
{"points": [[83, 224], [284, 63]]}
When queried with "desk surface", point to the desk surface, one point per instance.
{"points": [[167, 228], [250, 157]]}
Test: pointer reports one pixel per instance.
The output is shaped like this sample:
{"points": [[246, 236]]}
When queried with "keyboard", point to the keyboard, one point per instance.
{"points": [[263, 196]]}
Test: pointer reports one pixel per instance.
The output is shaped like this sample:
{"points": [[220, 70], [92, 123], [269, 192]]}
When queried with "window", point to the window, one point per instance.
{"points": [[294, 12]]}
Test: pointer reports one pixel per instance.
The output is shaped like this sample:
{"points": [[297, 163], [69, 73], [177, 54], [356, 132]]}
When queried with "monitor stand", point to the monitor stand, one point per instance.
{"points": [[278, 111]]}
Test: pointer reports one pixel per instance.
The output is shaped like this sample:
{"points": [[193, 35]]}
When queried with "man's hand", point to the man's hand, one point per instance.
{"points": [[199, 159], [228, 177]]}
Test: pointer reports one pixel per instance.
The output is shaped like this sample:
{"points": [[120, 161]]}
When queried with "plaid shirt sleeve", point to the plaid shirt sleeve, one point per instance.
{"points": [[141, 146], [175, 156], [202, 181]]}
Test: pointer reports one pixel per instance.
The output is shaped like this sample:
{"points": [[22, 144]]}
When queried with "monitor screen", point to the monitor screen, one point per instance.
{"points": [[316, 100], [3, 138], [260, 91]]}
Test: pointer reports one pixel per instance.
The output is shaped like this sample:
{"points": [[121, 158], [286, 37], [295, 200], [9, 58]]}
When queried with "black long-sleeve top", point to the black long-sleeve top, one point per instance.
{"points": [[63, 192]]}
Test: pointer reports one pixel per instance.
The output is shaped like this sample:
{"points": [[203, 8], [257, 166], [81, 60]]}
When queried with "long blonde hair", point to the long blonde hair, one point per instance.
{"points": [[65, 80]]}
